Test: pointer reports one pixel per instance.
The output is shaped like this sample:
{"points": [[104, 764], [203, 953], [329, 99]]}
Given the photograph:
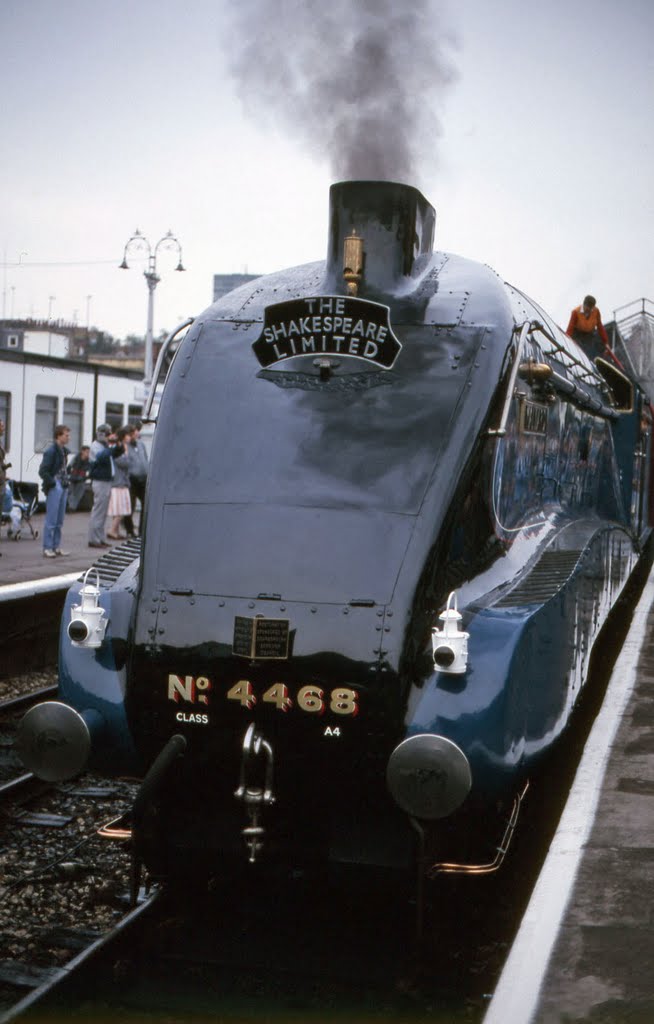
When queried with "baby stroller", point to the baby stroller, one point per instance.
{"points": [[16, 511]]}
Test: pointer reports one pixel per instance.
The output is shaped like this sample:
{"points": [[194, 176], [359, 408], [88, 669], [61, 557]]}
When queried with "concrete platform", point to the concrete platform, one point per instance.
{"points": [[585, 949], [23, 560]]}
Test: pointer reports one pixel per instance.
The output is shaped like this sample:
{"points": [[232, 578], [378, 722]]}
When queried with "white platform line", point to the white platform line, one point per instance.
{"points": [[31, 588], [516, 997]]}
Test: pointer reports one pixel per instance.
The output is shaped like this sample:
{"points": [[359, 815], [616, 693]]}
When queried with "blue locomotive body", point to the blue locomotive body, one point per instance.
{"points": [[390, 507]]}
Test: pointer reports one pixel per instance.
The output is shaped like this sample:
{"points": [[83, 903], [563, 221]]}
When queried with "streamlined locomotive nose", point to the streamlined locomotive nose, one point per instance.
{"points": [[53, 741]]}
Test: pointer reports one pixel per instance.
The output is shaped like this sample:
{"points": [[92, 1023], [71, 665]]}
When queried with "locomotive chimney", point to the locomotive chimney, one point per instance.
{"points": [[380, 236]]}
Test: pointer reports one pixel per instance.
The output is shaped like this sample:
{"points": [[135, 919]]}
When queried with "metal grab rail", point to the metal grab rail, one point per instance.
{"points": [[157, 370], [500, 430], [637, 312]]}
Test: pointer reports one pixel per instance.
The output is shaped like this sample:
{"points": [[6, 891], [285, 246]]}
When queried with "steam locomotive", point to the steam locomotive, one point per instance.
{"points": [[391, 505]]}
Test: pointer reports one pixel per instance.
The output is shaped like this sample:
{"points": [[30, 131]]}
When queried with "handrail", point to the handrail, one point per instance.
{"points": [[157, 370], [634, 302], [500, 430], [536, 325]]}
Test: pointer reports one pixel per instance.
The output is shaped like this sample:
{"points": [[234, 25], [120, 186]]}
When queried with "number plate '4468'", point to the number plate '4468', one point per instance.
{"points": [[312, 699]]}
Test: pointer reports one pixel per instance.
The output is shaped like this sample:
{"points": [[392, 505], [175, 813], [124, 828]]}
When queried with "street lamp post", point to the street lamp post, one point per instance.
{"points": [[139, 242]]}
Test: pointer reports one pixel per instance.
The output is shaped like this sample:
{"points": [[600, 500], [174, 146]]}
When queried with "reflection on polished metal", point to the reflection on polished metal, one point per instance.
{"points": [[139, 242]]}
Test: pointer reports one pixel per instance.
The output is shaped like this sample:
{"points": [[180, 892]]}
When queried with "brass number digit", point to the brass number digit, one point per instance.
{"points": [[278, 694], [309, 698], [242, 691], [344, 702]]}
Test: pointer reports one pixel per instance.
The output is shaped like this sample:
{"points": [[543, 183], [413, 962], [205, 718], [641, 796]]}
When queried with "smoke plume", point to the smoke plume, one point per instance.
{"points": [[359, 82]]}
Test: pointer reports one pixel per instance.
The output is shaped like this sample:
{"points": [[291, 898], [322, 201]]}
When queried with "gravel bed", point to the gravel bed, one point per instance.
{"points": [[58, 878], [54, 880], [17, 685]]}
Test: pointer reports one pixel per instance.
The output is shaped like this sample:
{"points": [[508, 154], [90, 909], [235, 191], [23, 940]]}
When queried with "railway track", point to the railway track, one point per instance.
{"points": [[52, 985], [22, 702], [63, 886], [219, 961]]}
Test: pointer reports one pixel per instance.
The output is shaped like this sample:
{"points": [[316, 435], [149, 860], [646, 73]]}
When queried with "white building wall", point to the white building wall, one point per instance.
{"points": [[47, 343], [118, 391], [25, 382], [12, 380]]}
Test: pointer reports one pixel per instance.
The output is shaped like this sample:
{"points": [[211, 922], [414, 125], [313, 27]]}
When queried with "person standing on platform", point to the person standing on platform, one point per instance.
{"points": [[101, 474], [78, 471], [119, 501], [55, 487], [101, 434], [138, 474]]}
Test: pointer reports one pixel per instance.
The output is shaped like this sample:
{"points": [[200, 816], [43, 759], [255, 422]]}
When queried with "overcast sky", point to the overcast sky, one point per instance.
{"points": [[528, 126]]}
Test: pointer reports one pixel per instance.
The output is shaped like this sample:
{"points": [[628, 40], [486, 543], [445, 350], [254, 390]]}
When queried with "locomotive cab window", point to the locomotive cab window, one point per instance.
{"points": [[622, 390]]}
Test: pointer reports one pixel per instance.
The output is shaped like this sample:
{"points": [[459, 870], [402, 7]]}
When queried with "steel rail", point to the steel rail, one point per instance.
{"points": [[80, 962], [13, 787], [26, 699]]}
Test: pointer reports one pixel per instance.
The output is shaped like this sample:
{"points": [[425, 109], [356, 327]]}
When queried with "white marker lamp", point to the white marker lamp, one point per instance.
{"points": [[88, 620], [450, 644]]}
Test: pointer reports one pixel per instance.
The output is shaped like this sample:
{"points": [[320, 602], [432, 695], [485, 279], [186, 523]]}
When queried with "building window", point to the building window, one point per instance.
{"points": [[113, 414], [134, 414], [74, 418], [45, 421], [13, 341], [5, 416]]}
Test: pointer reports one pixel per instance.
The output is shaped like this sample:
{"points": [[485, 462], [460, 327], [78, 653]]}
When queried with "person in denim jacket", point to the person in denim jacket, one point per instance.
{"points": [[55, 487]]}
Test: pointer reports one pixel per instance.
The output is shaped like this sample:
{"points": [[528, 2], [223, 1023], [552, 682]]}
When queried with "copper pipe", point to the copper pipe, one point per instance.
{"points": [[115, 829], [502, 849]]}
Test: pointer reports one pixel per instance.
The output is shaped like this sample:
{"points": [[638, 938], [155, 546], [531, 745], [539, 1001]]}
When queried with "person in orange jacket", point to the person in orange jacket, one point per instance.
{"points": [[585, 321]]}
